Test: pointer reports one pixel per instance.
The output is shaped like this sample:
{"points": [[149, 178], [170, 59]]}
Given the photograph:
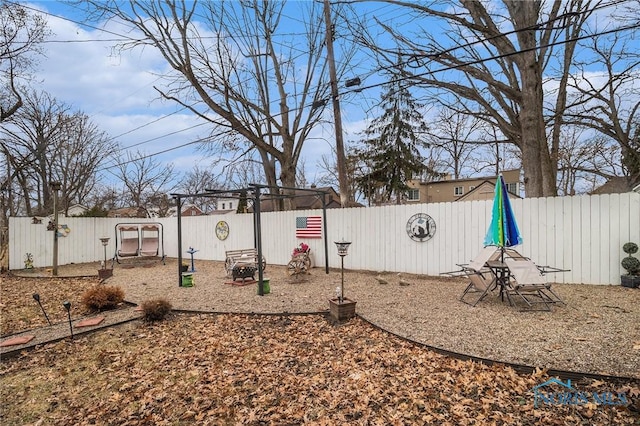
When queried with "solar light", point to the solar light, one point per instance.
{"points": [[36, 297], [105, 241], [67, 306], [343, 247]]}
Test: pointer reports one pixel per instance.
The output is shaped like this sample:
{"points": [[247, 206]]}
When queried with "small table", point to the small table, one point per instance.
{"points": [[501, 271]]}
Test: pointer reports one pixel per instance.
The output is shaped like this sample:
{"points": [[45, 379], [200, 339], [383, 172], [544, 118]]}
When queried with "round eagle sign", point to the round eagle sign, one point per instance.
{"points": [[421, 227]]}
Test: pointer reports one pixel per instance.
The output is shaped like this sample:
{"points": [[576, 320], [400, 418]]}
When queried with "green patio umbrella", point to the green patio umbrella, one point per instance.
{"points": [[503, 230]]}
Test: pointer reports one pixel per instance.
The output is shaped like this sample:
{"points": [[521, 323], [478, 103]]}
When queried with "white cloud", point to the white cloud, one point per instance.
{"points": [[115, 88]]}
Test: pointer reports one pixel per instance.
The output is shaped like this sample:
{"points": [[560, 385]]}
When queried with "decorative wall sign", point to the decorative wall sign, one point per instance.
{"points": [[421, 227], [222, 230], [63, 230]]}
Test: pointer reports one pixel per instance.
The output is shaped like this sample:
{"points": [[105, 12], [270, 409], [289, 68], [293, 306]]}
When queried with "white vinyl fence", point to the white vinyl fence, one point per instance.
{"points": [[582, 233]]}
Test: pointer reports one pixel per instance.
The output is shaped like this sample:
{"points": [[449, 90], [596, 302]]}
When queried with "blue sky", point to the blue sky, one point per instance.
{"points": [[115, 89]]}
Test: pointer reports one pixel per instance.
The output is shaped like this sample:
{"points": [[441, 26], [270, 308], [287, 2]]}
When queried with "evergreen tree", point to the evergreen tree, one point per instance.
{"points": [[390, 151]]}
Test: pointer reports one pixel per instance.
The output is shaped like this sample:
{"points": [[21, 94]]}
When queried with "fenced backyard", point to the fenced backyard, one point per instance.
{"points": [[581, 233]]}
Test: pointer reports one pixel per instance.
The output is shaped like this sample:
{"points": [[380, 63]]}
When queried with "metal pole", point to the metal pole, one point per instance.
{"points": [[179, 206], [326, 241], [342, 279], [258, 237], [55, 186]]}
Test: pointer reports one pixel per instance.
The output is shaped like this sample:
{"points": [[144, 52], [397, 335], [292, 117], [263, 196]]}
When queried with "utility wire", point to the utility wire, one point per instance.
{"points": [[359, 89], [453, 67]]}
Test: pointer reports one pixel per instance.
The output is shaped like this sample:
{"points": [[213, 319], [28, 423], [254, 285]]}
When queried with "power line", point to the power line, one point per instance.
{"points": [[164, 151], [445, 69], [491, 58], [359, 89]]}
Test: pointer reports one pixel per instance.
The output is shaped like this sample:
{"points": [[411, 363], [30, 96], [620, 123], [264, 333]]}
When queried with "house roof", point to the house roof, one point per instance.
{"points": [[615, 185], [488, 178], [306, 200], [485, 186]]}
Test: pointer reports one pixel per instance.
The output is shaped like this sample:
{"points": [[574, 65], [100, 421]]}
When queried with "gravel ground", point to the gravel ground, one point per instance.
{"points": [[598, 331]]}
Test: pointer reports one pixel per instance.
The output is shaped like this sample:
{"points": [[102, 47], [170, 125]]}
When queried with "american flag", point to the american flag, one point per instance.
{"points": [[309, 227]]}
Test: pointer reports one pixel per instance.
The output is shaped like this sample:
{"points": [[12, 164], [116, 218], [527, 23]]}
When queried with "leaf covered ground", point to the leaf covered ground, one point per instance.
{"points": [[21, 312], [240, 369]]}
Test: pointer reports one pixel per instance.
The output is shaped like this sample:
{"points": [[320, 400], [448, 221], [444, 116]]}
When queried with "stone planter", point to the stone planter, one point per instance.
{"points": [[342, 311], [103, 274], [631, 281]]}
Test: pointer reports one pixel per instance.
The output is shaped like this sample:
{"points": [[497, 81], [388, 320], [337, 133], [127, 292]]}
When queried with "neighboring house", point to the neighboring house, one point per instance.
{"points": [[306, 200], [615, 185], [226, 205], [448, 190], [137, 212], [76, 210], [191, 210], [485, 191], [187, 210]]}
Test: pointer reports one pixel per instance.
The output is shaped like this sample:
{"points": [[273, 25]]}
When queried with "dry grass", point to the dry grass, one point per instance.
{"points": [[237, 369], [598, 331]]}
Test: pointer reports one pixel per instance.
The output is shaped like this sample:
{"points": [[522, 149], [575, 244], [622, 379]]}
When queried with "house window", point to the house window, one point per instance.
{"points": [[231, 205], [512, 188], [223, 206], [458, 190], [471, 188], [413, 194], [193, 212]]}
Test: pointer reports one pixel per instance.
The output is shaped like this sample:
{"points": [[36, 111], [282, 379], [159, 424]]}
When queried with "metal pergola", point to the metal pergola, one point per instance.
{"points": [[256, 189]]}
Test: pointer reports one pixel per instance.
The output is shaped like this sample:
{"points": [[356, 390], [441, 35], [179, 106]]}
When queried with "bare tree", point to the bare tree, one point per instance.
{"points": [[253, 81], [458, 136], [607, 101], [328, 172], [196, 181], [43, 142], [499, 72], [21, 33], [584, 162], [84, 148], [145, 182]]}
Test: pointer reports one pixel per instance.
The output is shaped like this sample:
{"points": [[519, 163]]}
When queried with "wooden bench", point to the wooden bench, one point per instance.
{"points": [[244, 257]]}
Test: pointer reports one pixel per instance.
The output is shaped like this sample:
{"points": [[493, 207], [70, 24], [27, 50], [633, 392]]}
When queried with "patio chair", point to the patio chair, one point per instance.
{"points": [[149, 247], [129, 247], [530, 285], [481, 279], [513, 254]]}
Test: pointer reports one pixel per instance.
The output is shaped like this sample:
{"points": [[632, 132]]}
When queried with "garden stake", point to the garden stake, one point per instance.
{"points": [[67, 306], [36, 297]]}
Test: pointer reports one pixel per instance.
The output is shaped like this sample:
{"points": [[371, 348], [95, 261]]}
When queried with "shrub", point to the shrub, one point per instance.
{"points": [[630, 248], [156, 309], [630, 263], [102, 297]]}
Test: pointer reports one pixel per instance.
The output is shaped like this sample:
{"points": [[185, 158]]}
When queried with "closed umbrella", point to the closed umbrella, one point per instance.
{"points": [[503, 230]]}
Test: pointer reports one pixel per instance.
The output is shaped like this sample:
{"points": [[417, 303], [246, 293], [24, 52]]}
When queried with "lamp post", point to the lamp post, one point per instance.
{"points": [[343, 247], [103, 271], [105, 241], [55, 186]]}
